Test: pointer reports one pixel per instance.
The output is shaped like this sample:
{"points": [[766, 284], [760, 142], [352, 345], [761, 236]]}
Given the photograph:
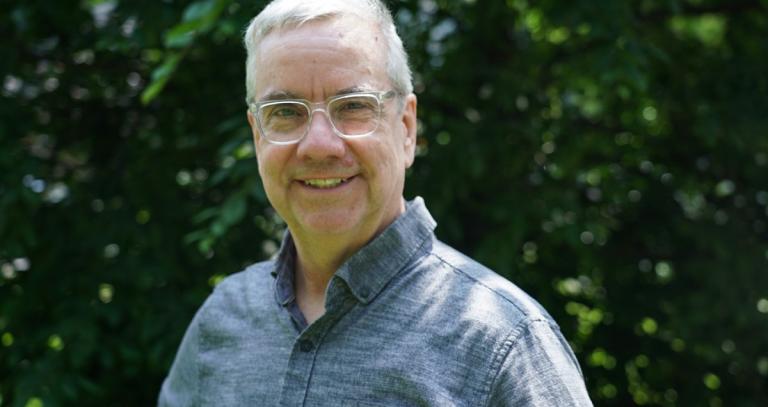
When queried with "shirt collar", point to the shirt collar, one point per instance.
{"points": [[283, 272], [372, 267]]}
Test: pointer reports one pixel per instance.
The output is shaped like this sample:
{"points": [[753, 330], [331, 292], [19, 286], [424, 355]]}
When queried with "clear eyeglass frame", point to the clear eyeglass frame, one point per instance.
{"points": [[381, 96]]}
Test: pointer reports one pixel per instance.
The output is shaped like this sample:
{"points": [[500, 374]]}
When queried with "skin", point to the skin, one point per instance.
{"points": [[314, 61]]}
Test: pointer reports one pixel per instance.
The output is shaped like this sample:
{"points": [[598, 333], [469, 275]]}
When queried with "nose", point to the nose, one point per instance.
{"points": [[321, 142]]}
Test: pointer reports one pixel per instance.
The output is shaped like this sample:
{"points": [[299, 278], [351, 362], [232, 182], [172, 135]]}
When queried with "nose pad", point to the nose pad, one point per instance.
{"points": [[321, 140], [327, 120]]}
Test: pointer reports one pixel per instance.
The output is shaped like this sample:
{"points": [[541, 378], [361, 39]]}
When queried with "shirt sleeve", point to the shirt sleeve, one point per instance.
{"points": [[180, 386], [539, 370]]}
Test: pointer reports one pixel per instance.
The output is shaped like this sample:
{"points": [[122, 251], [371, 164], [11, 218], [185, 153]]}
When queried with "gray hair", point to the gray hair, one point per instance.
{"points": [[293, 13]]}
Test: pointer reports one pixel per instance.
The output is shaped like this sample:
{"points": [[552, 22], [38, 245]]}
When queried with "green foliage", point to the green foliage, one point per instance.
{"points": [[608, 159]]}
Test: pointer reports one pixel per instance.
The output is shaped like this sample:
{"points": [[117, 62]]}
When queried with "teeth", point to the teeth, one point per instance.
{"points": [[324, 183]]}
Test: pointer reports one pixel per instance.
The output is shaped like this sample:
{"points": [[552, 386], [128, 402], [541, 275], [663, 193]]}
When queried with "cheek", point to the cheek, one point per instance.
{"points": [[268, 163], [384, 156], [396, 151], [390, 160]]}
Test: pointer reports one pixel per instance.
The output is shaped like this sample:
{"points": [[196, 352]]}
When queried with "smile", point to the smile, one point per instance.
{"points": [[325, 182]]}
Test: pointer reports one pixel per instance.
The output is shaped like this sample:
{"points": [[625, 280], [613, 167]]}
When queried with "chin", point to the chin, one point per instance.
{"points": [[339, 223]]}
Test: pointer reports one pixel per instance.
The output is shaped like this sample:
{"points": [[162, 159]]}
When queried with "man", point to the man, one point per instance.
{"points": [[362, 306]]}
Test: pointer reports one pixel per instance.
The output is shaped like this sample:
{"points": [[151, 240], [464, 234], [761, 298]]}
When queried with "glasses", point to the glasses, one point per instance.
{"points": [[352, 115]]}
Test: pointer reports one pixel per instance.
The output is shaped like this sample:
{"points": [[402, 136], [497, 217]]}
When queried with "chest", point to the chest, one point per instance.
{"points": [[362, 355]]}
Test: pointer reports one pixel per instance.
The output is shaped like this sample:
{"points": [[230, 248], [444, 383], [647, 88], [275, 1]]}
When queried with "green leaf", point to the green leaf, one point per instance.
{"points": [[182, 34], [206, 214], [233, 209], [200, 9], [160, 77], [199, 17]]}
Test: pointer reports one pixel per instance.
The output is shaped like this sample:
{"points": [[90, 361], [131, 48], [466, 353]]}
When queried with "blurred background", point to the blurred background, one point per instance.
{"points": [[611, 158]]}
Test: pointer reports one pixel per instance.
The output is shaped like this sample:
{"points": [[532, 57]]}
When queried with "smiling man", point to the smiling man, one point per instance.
{"points": [[362, 305]]}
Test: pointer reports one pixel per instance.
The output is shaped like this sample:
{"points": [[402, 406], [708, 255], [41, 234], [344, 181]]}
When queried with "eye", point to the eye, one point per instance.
{"points": [[355, 106], [283, 111]]}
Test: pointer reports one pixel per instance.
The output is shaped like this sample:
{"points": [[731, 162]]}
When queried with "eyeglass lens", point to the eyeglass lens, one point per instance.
{"points": [[289, 120]]}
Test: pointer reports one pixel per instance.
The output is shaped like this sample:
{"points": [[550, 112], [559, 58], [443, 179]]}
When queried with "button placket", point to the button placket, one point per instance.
{"points": [[301, 363], [299, 370]]}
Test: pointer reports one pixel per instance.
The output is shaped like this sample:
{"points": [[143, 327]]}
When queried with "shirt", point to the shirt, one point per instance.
{"points": [[409, 321]]}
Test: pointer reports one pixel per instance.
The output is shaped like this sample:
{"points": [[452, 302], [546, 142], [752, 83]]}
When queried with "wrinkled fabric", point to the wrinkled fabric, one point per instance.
{"points": [[409, 321]]}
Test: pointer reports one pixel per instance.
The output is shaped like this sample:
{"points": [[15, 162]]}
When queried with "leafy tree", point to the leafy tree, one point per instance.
{"points": [[610, 159]]}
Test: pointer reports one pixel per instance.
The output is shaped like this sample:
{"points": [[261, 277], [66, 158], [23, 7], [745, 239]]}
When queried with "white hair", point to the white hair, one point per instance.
{"points": [[293, 13]]}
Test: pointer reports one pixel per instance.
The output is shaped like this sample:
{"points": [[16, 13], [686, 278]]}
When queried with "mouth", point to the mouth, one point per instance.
{"points": [[325, 183]]}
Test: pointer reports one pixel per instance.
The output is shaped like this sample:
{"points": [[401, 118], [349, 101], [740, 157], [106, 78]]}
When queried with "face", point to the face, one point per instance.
{"points": [[324, 185]]}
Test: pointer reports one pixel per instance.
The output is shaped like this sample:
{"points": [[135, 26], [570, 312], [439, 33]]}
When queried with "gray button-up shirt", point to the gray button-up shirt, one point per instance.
{"points": [[408, 322]]}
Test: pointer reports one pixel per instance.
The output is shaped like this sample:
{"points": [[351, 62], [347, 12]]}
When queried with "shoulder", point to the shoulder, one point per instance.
{"points": [[255, 276], [224, 321], [532, 361], [507, 303], [241, 293]]}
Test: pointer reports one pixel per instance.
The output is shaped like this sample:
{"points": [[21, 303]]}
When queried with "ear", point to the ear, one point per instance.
{"points": [[409, 122]]}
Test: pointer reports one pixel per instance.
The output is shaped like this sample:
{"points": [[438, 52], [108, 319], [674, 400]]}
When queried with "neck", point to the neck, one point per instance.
{"points": [[314, 268], [319, 256]]}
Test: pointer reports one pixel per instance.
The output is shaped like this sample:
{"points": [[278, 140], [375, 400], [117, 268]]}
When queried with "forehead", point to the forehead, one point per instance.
{"points": [[321, 55]]}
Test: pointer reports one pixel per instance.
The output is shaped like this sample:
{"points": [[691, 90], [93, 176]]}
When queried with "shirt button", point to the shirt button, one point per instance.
{"points": [[305, 345], [364, 293]]}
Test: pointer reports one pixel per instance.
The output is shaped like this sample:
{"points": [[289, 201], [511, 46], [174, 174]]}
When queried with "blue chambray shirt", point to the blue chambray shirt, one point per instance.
{"points": [[408, 322]]}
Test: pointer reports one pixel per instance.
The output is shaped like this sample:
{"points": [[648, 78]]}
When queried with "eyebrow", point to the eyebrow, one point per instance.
{"points": [[353, 89], [279, 95], [283, 95]]}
